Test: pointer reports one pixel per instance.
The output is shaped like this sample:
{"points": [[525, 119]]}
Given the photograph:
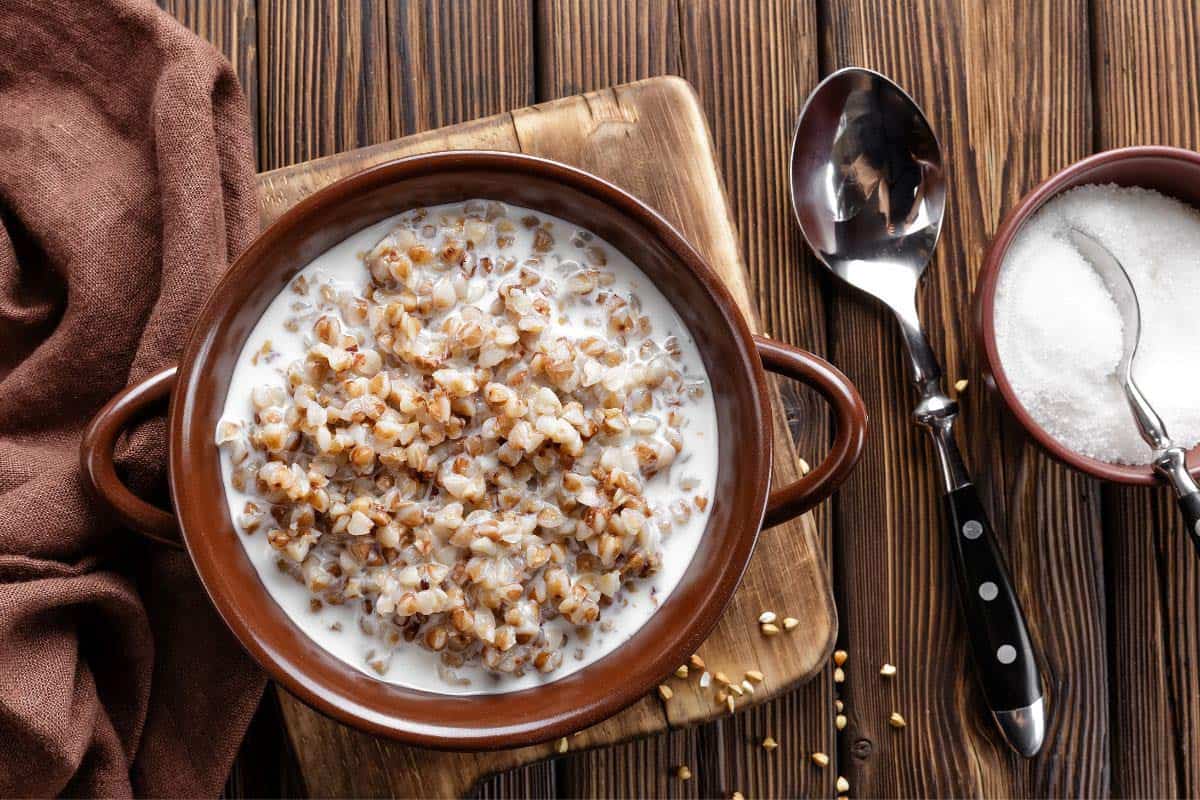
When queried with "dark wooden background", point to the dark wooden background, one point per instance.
{"points": [[1017, 90]]}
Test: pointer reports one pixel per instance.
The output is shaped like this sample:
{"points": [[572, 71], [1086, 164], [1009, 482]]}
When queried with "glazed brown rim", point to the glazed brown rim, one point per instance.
{"points": [[985, 296], [338, 689]]}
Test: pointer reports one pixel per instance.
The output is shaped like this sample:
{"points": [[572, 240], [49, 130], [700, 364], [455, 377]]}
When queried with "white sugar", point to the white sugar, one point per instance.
{"points": [[1058, 331]]}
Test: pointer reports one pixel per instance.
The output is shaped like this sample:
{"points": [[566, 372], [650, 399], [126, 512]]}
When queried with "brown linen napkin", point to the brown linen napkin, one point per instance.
{"points": [[126, 187]]}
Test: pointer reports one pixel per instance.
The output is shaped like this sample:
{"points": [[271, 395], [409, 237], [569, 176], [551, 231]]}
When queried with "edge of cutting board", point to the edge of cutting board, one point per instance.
{"points": [[650, 138]]}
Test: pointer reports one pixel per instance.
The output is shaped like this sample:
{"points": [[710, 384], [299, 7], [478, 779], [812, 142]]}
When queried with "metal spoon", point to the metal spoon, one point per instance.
{"points": [[869, 194], [1169, 458]]}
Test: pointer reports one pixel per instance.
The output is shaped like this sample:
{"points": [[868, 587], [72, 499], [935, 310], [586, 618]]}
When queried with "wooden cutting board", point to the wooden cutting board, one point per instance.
{"points": [[651, 139]]}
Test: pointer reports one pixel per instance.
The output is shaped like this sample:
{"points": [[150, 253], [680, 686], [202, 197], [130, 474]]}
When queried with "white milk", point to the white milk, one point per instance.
{"points": [[337, 628]]}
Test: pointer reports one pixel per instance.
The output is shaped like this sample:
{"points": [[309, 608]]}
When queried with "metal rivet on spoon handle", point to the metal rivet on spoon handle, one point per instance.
{"points": [[869, 193]]}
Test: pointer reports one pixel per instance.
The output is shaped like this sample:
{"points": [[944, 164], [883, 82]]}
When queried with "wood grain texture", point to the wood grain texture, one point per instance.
{"points": [[533, 781], [651, 139], [585, 45], [739, 56], [457, 60], [339, 761], [642, 768], [1006, 84], [323, 78], [1144, 76]]}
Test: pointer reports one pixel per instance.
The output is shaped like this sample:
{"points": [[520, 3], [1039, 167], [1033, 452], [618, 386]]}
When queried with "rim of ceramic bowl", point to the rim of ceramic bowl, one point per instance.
{"points": [[346, 693], [1074, 175]]}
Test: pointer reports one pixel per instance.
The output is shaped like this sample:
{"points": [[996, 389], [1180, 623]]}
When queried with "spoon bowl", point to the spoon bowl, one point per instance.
{"points": [[867, 183]]}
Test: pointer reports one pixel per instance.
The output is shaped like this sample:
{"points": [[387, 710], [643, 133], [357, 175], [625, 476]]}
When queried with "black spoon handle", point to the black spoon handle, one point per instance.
{"points": [[999, 639], [1189, 504], [1171, 465]]}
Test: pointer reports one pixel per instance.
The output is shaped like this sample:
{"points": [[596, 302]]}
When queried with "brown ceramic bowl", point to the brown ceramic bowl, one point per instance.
{"points": [[1169, 170], [733, 356]]}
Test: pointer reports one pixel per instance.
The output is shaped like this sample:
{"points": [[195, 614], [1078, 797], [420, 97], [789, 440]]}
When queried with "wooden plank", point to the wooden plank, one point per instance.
{"points": [[1007, 86], [740, 56], [645, 767], [339, 761], [533, 781], [584, 45], [1148, 755], [232, 27], [1144, 69], [280, 189], [457, 60], [323, 78]]}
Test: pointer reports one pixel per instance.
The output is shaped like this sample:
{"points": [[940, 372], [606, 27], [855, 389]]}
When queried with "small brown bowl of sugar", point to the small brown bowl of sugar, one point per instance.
{"points": [[1051, 332]]}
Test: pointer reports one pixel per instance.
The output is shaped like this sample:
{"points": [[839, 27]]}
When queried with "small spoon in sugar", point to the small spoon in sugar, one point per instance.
{"points": [[1169, 458]]}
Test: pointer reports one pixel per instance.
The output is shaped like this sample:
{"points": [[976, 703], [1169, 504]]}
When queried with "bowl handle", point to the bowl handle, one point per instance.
{"points": [[850, 415], [100, 473]]}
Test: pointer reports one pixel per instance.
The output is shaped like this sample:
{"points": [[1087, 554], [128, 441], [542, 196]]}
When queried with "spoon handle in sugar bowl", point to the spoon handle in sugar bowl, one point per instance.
{"points": [[1000, 645], [1171, 464], [1189, 504]]}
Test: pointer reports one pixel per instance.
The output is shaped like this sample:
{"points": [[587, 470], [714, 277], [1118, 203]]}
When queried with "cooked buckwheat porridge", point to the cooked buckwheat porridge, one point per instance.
{"points": [[470, 449]]}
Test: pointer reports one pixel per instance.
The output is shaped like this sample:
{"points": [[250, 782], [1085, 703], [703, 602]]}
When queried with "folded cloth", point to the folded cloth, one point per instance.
{"points": [[126, 188]]}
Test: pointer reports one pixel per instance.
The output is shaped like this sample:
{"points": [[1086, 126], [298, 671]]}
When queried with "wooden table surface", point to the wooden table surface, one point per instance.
{"points": [[1016, 89]]}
